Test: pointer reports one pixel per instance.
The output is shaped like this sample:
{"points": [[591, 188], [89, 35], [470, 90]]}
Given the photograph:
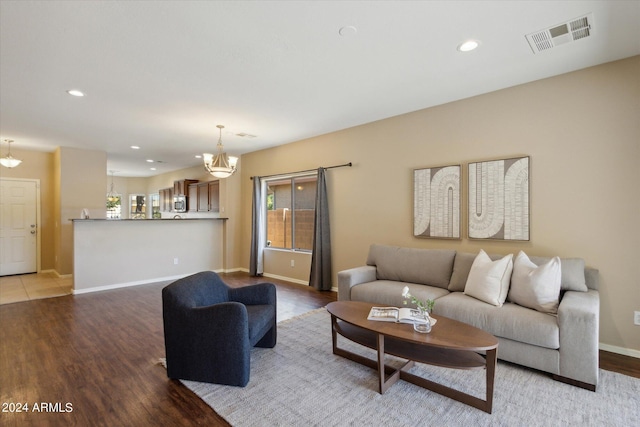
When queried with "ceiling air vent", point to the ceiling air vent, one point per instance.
{"points": [[567, 32]]}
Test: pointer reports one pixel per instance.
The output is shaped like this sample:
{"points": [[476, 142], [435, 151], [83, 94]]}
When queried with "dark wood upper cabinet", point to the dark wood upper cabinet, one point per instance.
{"points": [[192, 198], [182, 187], [208, 196], [203, 197], [214, 196]]}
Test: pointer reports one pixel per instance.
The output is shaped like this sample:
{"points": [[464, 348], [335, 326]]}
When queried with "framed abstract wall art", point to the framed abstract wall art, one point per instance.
{"points": [[436, 202], [499, 199]]}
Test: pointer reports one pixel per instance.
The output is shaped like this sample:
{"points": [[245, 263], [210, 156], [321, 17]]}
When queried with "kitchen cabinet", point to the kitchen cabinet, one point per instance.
{"points": [[207, 196], [214, 196], [192, 198], [182, 187]]}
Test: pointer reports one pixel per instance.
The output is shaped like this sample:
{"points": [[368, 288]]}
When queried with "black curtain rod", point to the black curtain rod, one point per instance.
{"points": [[308, 170]]}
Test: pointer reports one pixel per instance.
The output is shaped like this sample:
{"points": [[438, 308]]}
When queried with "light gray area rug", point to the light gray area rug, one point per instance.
{"points": [[301, 383]]}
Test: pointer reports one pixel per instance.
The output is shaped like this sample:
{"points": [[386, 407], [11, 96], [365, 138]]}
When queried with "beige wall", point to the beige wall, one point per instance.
{"points": [[82, 177], [582, 131], [278, 263], [38, 165]]}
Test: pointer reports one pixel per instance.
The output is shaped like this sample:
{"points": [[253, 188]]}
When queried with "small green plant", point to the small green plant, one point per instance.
{"points": [[426, 305]]}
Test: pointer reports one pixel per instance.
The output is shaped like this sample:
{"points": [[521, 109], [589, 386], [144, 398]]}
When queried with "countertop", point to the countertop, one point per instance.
{"points": [[147, 219]]}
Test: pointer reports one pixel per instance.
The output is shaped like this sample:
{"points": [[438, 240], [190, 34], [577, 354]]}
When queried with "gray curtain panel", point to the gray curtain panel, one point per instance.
{"points": [[320, 277], [256, 267]]}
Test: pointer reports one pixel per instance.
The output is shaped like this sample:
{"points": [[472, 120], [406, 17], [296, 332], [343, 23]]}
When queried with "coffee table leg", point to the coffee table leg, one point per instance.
{"points": [[381, 383], [491, 358], [334, 338], [385, 382]]}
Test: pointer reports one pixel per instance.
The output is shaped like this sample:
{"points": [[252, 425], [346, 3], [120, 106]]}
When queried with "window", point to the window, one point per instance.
{"points": [[114, 208], [137, 207], [155, 206], [290, 205]]}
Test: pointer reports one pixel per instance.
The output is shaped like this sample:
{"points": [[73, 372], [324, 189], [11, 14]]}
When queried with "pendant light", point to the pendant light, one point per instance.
{"points": [[8, 161], [112, 195], [220, 165]]}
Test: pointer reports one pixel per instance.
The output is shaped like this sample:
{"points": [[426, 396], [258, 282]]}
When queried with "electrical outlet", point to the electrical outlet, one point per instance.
{"points": [[175, 261], [293, 263], [636, 317]]}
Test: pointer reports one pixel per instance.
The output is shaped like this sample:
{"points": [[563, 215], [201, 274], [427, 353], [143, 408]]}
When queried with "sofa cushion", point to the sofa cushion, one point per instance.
{"points": [[461, 267], [509, 321], [536, 287], [573, 278], [424, 266], [489, 280], [387, 292]]}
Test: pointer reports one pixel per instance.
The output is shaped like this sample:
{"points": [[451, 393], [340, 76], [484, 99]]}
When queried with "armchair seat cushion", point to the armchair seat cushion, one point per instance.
{"points": [[260, 321]]}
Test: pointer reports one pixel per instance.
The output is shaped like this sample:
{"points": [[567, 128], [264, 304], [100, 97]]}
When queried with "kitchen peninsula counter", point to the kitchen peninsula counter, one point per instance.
{"points": [[114, 253], [148, 219]]}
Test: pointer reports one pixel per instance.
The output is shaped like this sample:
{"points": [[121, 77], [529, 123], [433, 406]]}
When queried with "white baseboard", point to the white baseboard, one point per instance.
{"points": [[620, 350], [126, 285], [274, 276], [144, 282], [288, 279], [232, 270]]}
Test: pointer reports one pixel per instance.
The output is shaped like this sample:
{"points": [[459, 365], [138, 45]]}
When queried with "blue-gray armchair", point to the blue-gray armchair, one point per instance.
{"points": [[210, 328]]}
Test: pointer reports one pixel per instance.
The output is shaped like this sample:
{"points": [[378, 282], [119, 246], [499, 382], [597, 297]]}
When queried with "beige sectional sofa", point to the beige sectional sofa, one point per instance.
{"points": [[564, 344]]}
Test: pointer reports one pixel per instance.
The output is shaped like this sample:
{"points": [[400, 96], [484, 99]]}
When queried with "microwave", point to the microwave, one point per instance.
{"points": [[179, 203]]}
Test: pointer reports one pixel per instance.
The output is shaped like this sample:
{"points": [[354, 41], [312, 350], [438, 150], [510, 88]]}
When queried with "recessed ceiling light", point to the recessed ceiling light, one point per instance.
{"points": [[152, 169], [75, 92], [135, 147], [149, 161], [198, 156], [468, 46], [347, 31]]}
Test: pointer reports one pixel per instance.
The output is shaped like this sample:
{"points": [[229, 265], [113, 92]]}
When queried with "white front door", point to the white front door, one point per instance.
{"points": [[18, 227]]}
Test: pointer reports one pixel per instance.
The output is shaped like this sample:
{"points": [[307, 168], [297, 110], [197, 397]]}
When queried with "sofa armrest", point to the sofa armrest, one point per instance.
{"points": [[354, 276], [579, 322]]}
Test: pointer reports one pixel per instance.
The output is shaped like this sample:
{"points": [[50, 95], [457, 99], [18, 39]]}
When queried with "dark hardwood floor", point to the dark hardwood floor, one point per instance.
{"points": [[97, 355], [99, 352]]}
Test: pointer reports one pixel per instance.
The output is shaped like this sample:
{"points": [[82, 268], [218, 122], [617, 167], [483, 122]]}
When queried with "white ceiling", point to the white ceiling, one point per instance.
{"points": [[162, 75]]}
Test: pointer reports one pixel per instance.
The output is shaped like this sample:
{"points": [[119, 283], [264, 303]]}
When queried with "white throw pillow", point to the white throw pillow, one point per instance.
{"points": [[489, 280], [536, 287]]}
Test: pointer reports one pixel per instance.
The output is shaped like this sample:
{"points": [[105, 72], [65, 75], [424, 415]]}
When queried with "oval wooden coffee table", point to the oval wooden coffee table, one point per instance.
{"points": [[450, 344]]}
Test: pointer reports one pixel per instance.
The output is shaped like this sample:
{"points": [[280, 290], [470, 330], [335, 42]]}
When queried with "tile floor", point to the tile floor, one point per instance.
{"points": [[33, 286]]}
